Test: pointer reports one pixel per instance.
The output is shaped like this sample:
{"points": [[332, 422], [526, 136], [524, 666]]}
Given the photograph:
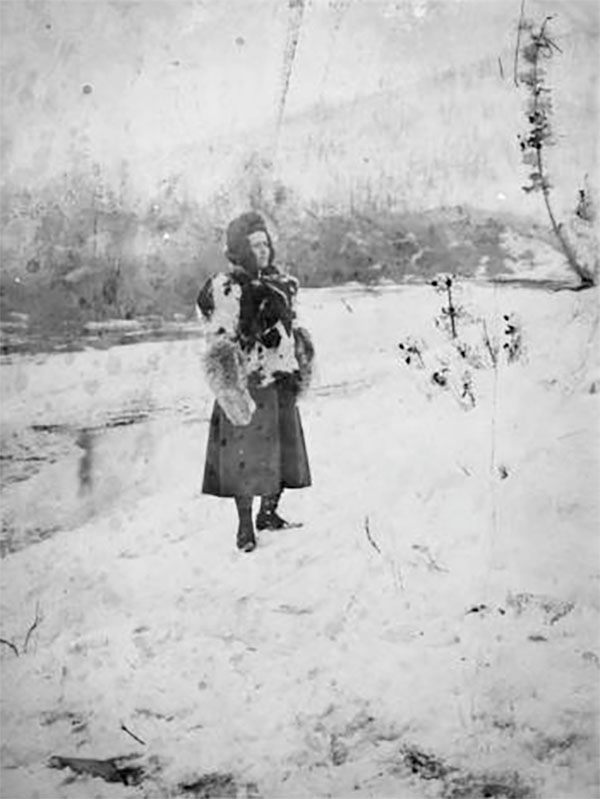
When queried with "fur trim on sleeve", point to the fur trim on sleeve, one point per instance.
{"points": [[305, 355], [218, 305], [226, 378]]}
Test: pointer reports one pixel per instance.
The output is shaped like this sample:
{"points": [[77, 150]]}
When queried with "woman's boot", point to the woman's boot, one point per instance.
{"points": [[245, 535], [267, 517]]}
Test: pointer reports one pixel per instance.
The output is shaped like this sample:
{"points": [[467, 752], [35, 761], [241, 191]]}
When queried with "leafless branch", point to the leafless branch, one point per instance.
{"points": [[432, 564], [34, 624], [369, 536], [133, 735], [542, 33], [490, 347], [11, 645]]}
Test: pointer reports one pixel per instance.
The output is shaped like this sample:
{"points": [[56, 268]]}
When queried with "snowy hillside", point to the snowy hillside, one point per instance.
{"points": [[431, 630]]}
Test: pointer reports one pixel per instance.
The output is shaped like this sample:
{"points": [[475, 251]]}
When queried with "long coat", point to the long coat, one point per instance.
{"points": [[257, 361]]}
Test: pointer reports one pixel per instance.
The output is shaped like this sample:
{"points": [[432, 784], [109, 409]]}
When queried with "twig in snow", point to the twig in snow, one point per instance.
{"points": [[493, 351], [133, 735], [11, 645], [397, 575], [291, 609], [432, 564], [347, 305], [34, 624], [369, 536]]}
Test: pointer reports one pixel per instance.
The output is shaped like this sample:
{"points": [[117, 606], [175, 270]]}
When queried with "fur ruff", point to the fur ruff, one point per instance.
{"points": [[305, 355], [224, 370]]}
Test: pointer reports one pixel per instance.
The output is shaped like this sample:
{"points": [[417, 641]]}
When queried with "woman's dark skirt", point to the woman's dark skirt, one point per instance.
{"points": [[261, 458]]}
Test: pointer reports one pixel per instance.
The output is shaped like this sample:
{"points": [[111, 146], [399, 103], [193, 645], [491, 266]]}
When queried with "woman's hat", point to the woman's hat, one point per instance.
{"points": [[237, 236]]}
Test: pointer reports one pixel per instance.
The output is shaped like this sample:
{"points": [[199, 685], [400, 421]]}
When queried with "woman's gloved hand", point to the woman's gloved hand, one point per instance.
{"points": [[289, 381]]}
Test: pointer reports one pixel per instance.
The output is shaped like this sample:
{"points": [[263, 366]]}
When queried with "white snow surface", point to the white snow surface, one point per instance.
{"points": [[310, 667]]}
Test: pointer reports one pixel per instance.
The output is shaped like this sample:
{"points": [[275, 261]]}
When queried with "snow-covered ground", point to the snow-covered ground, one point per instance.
{"points": [[431, 630]]}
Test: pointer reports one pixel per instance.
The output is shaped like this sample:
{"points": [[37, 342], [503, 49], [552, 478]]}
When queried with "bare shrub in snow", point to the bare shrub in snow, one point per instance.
{"points": [[450, 313], [468, 346], [513, 338], [537, 48], [411, 351]]}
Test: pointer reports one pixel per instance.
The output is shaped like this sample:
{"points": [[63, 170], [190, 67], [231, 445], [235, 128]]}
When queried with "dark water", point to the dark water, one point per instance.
{"points": [[74, 338], [68, 475]]}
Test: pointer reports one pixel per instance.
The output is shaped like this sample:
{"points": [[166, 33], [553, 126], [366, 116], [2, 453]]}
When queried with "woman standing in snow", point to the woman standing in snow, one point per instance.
{"points": [[257, 362]]}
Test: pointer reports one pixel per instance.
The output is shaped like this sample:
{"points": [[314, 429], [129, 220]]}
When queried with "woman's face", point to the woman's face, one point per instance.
{"points": [[259, 244]]}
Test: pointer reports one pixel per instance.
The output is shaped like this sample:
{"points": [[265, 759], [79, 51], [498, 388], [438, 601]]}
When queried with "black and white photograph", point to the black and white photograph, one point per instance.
{"points": [[299, 399]]}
